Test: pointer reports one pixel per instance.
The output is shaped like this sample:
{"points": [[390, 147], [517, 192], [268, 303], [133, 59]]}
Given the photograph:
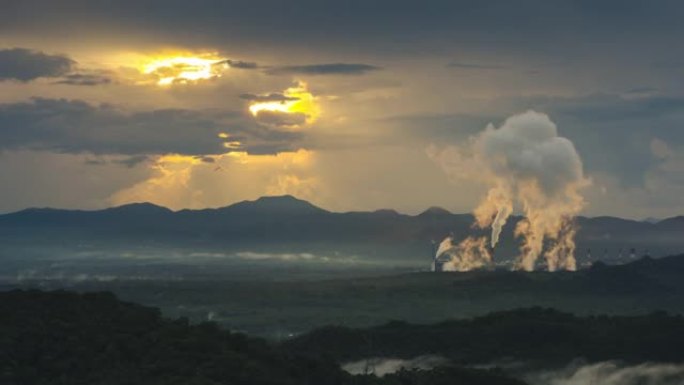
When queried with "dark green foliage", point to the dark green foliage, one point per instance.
{"points": [[71, 339], [534, 334], [67, 338]]}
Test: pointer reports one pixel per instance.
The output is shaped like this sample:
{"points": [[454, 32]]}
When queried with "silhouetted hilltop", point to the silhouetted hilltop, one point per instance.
{"points": [[273, 205], [435, 212], [143, 208]]}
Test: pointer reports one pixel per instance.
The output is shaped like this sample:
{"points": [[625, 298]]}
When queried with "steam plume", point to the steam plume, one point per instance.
{"points": [[471, 253], [525, 163]]}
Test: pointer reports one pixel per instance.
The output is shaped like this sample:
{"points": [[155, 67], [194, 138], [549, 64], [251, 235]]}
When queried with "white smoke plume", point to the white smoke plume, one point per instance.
{"points": [[526, 165]]}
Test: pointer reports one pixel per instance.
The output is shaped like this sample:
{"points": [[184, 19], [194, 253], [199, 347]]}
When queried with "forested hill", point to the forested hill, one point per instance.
{"points": [[71, 339], [545, 336]]}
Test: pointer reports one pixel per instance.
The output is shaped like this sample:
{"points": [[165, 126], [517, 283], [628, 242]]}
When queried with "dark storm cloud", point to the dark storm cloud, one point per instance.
{"points": [[73, 126], [381, 26], [324, 69], [272, 97], [25, 65]]}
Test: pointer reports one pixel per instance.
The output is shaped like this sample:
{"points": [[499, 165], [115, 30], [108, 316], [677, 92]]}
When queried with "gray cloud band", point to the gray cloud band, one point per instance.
{"points": [[73, 126], [24, 65]]}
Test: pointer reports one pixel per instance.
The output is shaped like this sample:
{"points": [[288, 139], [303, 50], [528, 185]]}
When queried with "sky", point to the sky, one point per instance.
{"points": [[194, 104]]}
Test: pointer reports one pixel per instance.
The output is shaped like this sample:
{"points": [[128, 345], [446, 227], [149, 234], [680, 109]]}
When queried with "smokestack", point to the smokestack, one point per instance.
{"points": [[588, 254], [434, 255], [632, 253]]}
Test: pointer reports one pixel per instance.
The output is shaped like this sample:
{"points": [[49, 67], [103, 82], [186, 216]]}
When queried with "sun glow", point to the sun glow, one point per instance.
{"points": [[185, 69], [297, 101]]}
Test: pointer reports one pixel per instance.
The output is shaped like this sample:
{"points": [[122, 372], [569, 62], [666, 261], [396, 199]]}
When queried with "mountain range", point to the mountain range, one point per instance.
{"points": [[288, 223]]}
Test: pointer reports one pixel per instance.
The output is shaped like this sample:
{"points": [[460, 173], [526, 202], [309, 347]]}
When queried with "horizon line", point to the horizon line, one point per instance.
{"points": [[645, 220]]}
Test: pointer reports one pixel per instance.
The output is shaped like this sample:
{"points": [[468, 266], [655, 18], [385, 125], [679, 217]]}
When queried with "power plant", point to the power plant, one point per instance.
{"points": [[447, 259]]}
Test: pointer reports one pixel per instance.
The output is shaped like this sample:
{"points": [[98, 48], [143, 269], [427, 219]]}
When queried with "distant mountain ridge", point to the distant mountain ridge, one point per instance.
{"points": [[287, 204], [288, 220]]}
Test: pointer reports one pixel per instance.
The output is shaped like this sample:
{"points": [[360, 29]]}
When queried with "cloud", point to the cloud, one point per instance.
{"points": [[84, 79], [294, 109], [24, 65], [272, 97], [324, 69], [245, 65], [74, 126], [280, 118], [380, 25], [611, 134]]}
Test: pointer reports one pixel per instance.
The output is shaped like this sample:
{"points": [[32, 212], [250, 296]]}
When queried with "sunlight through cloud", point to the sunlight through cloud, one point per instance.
{"points": [[185, 69], [298, 108]]}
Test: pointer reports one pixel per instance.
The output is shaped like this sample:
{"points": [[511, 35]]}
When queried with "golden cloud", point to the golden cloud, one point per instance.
{"points": [[297, 109]]}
